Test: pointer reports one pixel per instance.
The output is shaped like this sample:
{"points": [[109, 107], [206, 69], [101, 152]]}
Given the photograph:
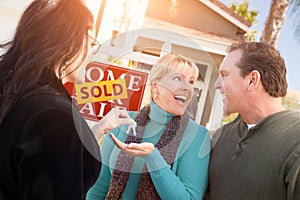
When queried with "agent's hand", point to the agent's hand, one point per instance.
{"points": [[134, 149], [114, 118]]}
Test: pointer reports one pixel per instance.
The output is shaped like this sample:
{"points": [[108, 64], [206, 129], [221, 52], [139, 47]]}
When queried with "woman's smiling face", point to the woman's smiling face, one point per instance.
{"points": [[174, 91]]}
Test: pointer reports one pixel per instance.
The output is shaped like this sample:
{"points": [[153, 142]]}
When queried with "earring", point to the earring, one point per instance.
{"points": [[154, 97], [62, 72], [63, 69]]}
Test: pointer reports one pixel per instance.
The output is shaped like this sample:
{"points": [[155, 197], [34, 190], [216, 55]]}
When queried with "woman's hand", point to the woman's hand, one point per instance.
{"points": [[134, 149], [114, 118]]}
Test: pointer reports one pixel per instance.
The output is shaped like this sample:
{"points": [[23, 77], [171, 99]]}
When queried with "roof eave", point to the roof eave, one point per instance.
{"points": [[228, 14]]}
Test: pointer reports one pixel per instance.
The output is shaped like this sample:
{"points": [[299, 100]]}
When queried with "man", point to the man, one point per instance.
{"points": [[256, 156]]}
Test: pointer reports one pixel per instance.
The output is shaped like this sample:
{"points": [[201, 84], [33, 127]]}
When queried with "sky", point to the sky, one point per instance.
{"points": [[287, 44]]}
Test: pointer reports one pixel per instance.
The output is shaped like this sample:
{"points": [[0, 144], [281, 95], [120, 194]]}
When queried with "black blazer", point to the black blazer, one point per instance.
{"points": [[47, 150]]}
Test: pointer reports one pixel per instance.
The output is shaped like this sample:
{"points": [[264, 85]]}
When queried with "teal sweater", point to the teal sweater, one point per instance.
{"points": [[186, 180]]}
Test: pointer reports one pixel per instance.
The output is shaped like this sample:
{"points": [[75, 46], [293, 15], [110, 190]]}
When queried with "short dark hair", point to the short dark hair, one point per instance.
{"points": [[268, 61]]}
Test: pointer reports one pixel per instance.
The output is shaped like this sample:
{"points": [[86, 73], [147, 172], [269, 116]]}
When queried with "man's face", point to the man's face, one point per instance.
{"points": [[232, 85]]}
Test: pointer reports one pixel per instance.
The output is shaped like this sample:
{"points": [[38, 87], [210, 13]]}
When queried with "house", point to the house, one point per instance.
{"points": [[140, 31], [199, 29]]}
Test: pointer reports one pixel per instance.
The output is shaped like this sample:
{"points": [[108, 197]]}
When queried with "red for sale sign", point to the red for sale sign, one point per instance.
{"points": [[108, 86]]}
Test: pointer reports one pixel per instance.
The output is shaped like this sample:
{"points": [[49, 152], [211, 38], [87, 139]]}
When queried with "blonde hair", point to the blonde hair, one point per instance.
{"points": [[171, 62], [163, 66]]}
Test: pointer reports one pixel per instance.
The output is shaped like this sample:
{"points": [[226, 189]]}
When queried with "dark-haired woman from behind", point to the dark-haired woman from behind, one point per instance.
{"points": [[47, 151]]}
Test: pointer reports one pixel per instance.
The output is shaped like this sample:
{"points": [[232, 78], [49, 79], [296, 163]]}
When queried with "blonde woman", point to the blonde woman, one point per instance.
{"points": [[166, 156]]}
